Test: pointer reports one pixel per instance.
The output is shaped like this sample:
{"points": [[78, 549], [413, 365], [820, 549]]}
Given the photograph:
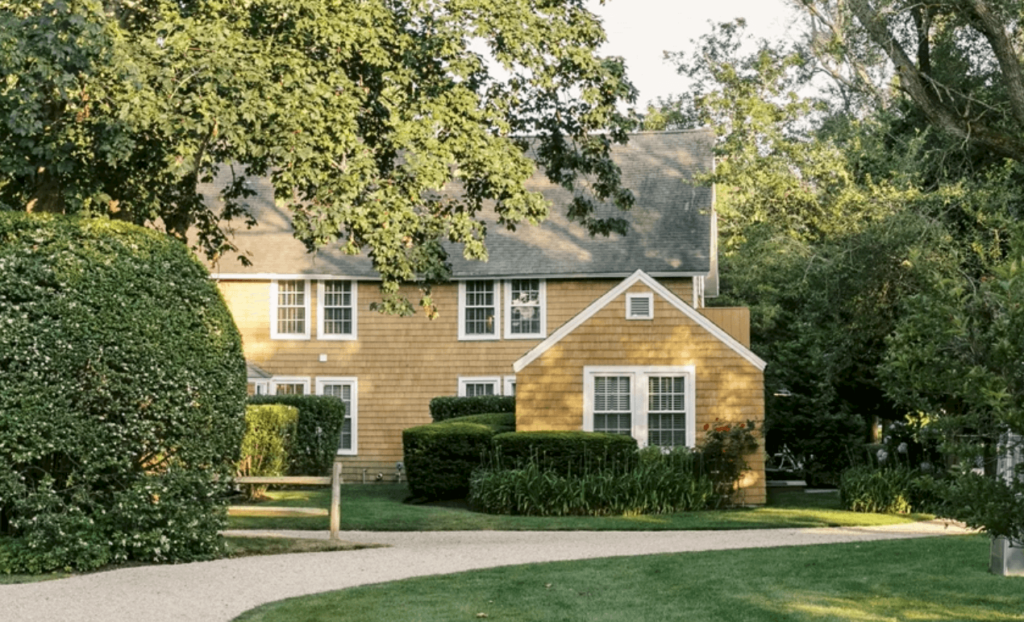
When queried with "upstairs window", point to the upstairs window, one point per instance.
{"points": [[524, 303], [478, 317], [336, 310], [289, 309]]}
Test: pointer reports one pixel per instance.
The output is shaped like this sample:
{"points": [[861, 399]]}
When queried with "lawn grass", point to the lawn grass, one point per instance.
{"points": [[937, 579], [380, 508]]}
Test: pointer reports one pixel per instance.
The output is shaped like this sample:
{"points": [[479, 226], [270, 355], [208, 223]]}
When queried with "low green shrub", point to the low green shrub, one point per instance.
{"points": [[317, 433], [564, 453], [656, 483], [887, 491], [450, 407], [267, 444], [499, 422], [440, 457]]}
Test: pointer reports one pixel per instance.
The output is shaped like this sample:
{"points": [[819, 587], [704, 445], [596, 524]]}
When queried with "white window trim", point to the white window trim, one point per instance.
{"points": [[542, 307], [260, 384], [278, 380], [497, 313], [650, 305], [638, 393], [273, 313], [492, 380], [507, 385], [320, 335], [321, 381]]}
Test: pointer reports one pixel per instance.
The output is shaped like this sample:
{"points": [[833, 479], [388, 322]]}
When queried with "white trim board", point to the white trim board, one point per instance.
{"points": [[639, 277]]}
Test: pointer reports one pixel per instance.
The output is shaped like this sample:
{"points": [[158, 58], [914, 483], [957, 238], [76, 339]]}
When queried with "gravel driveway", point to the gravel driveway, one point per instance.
{"points": [[218, 591]]}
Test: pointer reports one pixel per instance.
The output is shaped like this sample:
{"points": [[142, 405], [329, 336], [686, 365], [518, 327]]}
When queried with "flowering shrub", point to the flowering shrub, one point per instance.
{"points": [[122, 388]]}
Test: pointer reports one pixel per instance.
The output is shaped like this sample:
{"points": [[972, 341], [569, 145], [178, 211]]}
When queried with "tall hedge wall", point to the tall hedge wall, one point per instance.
{"points": [[122, 392]]}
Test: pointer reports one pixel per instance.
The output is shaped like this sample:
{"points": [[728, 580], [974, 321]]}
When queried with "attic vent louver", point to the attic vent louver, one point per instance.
{"points": [[639, 306]]}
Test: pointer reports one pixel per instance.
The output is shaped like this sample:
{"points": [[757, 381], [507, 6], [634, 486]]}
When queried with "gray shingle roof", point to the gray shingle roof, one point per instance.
{"points": [[670, 226]]}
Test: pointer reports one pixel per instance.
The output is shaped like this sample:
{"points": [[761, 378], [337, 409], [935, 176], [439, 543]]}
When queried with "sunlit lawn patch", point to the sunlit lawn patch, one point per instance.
{"points": [[939, 579]]}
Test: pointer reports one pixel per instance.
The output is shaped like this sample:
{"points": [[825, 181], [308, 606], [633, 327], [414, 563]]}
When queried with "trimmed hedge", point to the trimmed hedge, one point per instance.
{"points": [[444, 408], [439, 457], [565, 453], [267, 444], [317, 434], [122, 393], [499, 422]]}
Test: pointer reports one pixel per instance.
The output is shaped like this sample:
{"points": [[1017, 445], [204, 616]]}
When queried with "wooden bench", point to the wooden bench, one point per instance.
{"points": [[334, 481]]}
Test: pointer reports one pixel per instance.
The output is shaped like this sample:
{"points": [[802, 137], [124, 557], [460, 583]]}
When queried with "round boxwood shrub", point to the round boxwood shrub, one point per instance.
{"points": [[122, 393]]}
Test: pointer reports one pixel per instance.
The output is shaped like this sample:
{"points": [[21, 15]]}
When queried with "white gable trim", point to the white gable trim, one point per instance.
{"points": [[638, 277]]}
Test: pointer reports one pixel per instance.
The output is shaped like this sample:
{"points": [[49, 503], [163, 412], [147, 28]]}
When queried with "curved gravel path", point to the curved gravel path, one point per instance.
{"points": [[218, 591]]}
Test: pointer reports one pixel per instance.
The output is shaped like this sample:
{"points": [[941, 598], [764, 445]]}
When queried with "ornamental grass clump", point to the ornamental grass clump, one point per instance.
{"points": [[122, 392], [656, 483]]}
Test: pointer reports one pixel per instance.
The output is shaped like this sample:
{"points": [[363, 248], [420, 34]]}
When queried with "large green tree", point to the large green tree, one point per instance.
{"points": [[361, 112], [957, 61]]}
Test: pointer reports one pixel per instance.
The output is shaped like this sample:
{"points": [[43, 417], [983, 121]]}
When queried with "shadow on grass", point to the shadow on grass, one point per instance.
{"points": [[382, 508]]}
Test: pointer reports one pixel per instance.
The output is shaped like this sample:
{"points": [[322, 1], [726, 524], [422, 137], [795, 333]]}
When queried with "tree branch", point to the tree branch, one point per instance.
{"points": [[912, 81], [992, 28]]}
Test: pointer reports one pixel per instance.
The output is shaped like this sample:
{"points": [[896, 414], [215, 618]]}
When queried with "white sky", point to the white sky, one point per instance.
{"points": [[641, 30]]}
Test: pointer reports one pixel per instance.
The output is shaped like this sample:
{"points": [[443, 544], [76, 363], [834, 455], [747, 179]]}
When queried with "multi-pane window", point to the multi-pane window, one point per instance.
{"points": [[666, 411], [525, 307], [476, 389], [478, 309], [612, 405], [343, 391], [652, 403], [337, 308], [291, 308], [289, 388]]}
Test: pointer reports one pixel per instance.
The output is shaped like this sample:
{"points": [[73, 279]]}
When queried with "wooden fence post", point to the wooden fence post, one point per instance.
{"points": [[336, 501]]}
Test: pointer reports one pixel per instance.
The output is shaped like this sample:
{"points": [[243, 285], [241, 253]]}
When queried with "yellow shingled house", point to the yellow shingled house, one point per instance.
{"points": [[589, 333]]}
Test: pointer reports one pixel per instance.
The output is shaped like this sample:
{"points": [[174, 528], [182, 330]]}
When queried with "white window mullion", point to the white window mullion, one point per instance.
{"points": [[640, 409]]}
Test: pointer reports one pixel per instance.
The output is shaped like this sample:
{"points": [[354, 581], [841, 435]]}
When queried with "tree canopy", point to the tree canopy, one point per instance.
{"points": [[361, 112]]}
